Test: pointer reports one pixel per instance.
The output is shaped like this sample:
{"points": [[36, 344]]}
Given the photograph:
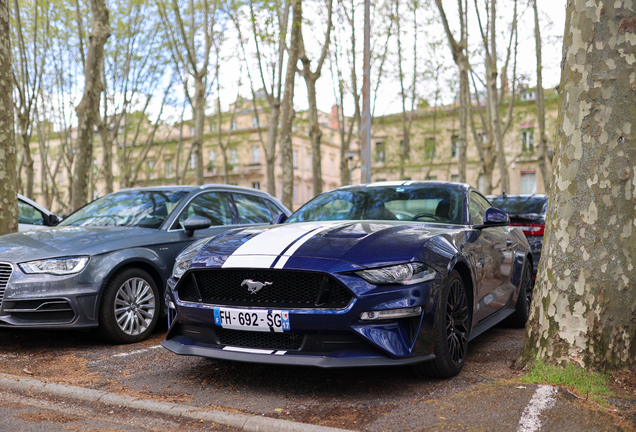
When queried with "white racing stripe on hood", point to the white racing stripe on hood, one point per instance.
{"points": [[289, 252], [272, 243]]}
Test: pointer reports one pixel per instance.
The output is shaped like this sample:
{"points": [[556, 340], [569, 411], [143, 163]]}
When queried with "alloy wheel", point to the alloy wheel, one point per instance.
{"points": [[457, 319], [134, 306]]}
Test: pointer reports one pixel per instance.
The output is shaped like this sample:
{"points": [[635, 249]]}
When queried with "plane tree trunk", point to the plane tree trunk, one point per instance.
{"points": [[584, 305], [8, 154]]}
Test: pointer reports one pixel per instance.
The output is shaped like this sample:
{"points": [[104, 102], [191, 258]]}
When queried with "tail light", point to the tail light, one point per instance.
{"points": [[531, 229]]}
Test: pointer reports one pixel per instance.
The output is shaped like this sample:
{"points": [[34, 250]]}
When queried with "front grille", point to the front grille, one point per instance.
{"points": [[246, 339], [5, 274], [288, 289]]}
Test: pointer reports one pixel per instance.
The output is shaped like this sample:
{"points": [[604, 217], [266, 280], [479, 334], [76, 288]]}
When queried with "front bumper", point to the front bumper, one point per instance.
{"points": [[318, 337], [48, 301]]}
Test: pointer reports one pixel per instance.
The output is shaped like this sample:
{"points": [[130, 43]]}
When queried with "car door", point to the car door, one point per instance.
{"points": [[214, 205], [495, 259]]}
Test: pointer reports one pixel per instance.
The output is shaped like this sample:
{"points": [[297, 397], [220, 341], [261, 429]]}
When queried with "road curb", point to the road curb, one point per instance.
{"points": [[239, 421]]}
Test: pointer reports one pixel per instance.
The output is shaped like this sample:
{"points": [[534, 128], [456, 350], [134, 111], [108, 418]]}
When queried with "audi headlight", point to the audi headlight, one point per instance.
{"points": [[405, 274], [56, 266], [184, 260]]}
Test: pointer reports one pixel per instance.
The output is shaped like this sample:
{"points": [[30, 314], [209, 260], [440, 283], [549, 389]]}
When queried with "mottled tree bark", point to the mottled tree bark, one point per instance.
{"points": [[584, 309], [287, 114], [88, 108], [543, 141], [8, 153]]}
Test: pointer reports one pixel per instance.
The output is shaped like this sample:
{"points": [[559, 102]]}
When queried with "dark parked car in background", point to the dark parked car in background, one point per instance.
{"points": [[31, 215], [528, 213], [107, 263], [389, 273]]}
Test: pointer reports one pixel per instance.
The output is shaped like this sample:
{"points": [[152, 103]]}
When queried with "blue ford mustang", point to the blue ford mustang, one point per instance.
{"points": [[387, 273]]}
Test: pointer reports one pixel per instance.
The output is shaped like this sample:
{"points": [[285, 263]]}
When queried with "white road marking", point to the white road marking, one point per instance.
{"points": [[126, 354], [542, 399]]}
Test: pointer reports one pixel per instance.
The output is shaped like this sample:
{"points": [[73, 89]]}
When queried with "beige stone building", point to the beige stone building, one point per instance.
{"points": [[432, 155]]}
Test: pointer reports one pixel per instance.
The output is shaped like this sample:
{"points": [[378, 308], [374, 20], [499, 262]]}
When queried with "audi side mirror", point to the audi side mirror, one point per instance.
{"points": [[194, 223], [279, 219]]}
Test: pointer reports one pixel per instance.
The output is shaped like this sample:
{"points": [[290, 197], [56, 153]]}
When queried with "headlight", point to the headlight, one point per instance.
{"points": [[183, 261], [56, 266], [405, 274]]}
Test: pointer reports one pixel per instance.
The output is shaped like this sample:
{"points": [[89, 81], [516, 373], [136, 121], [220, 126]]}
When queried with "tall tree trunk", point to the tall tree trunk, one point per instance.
{"points": [[88, 108], [540, 102], [584, 305], [287, 114], [272, 135], [27, 159], [8, 151], [311, 77], [199, 121], [315, 135], [458, 49]]}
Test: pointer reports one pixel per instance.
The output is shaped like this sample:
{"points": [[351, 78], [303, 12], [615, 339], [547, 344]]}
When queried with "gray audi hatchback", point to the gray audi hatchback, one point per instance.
{"points": [[106, 265]]}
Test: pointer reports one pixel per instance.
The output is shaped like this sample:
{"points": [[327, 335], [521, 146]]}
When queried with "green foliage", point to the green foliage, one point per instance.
{"points": [[582, 382]]}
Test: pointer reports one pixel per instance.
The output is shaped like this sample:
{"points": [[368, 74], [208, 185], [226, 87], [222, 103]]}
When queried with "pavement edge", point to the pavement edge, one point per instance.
{"points": [[239, 421]]}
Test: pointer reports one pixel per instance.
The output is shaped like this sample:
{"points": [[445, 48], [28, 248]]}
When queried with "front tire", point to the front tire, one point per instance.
{"points": [[129, 309], [452, 328]]}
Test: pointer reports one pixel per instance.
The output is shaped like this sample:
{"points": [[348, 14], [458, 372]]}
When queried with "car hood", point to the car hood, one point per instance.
{"points": [[321, 246], [71, 240]]}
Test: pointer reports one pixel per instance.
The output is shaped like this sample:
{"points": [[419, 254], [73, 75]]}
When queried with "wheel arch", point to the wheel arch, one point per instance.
{"points": [[464, 272]]}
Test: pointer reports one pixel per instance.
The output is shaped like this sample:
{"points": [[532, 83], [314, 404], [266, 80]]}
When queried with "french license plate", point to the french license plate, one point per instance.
{"points": [[252, 320]]}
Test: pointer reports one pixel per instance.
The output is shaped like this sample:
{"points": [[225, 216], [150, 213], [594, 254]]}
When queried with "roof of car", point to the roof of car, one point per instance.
{"points": [[191, 188], [410, 183]]}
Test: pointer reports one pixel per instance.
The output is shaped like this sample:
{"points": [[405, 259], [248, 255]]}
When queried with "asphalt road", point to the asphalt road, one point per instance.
{"points": [[485, 396]]}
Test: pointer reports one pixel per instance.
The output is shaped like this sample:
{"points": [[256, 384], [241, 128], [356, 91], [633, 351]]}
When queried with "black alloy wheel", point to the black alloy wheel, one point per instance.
{"points": [[457, 323], [452, 329]]}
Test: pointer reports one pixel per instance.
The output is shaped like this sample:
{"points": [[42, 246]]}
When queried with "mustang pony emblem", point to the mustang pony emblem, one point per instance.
{"points": [[254, 286]]}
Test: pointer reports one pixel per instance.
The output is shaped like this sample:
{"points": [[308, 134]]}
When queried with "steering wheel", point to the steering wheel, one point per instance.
{"points": [[428, 215]]}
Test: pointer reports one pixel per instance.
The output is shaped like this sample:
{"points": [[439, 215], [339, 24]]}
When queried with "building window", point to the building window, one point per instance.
{"points": [[191, 130], [193, 161], [308, 197], [234, 159], [528, 95], [151, 174], [296, 193], [454, 145], [429, 148], [308, 162], [527, 140], [332, 164], [408, 152], [295, 159], [483, 137], [528, 182], [256, 155], [234, 126], [168, 167], [212, 127], [454, 177], [380, 153], [254, 121], [60, 177], [256, 185]]}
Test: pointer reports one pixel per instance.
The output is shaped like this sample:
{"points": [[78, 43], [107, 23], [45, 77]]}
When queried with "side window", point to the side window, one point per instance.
{"points": [[29, 215], [212, 205], [478, 207], [252, 209]]}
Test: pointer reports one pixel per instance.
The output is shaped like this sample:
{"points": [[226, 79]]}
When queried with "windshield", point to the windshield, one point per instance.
{"points": [[521, 204], [135, 208], [434, 203]]}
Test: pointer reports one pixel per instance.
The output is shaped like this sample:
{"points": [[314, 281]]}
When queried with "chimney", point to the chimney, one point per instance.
{"points": [[335, 111]]}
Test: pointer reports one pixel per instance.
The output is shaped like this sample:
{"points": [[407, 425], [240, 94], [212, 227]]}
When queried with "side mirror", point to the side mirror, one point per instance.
{"points": [[51, 220], [494, 218], [279, 219], [194, 223]]}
